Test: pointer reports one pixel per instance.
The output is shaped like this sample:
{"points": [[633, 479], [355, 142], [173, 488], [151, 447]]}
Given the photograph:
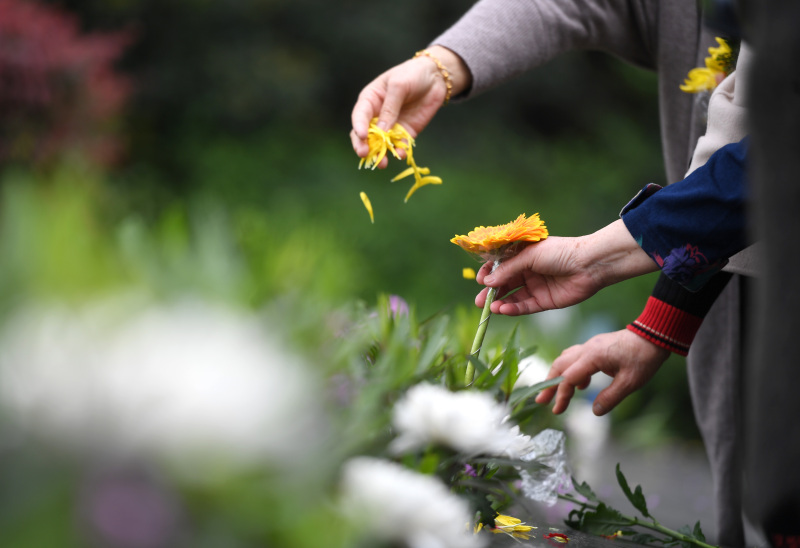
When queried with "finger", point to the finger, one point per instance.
{"points": [[365, 109], [483, 271], [527, 306], [556, 370], [480, 298], [608, 398], [396, 95], [504, 272], [359, 145], [563, 396]]}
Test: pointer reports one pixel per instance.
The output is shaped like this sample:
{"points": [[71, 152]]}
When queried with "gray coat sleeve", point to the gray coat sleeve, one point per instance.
{"points": [[499, 39]]}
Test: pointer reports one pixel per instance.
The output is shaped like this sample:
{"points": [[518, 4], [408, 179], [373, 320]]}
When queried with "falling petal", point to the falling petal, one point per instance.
{"points": [[368, 205], [430, 180], [405, 173]]}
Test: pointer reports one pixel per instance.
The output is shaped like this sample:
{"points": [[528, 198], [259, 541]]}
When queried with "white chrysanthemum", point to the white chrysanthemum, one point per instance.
{"points": [[394, 504], [189, 383], [469, 422]]}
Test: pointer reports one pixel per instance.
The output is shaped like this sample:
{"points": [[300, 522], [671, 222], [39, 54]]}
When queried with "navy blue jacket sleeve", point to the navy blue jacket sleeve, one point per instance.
{"points": [[692, 227]]}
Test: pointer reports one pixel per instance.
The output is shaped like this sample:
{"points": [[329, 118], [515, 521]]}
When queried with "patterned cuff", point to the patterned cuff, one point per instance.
{"points": [[666, 326]]}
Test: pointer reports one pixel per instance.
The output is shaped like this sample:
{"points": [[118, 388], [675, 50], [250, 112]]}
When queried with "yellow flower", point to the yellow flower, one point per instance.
{"points": [[494, 241], [511, 526], [368, 205], [718, 65], [468, 273], [382, 142]]}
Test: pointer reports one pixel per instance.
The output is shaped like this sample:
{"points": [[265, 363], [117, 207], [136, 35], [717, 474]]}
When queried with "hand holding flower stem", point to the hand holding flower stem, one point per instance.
{"points": [[495, 243]]}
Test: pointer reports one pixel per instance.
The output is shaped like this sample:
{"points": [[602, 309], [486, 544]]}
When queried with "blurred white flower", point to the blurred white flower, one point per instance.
{"points": [[189, 383], [394, 504], [469, 422], [532, 370]]}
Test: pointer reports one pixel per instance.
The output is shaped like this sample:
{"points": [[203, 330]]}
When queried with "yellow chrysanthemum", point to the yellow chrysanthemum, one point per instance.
{"points": [[382, 142], [493, 241], [701, 79], [718, 65]]}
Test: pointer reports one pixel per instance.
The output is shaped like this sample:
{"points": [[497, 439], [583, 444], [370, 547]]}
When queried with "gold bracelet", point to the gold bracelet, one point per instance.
{"points": [[442, 70]]}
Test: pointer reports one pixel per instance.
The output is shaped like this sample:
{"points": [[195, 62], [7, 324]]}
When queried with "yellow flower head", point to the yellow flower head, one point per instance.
{"points": [[493, 242], [719, 64]]}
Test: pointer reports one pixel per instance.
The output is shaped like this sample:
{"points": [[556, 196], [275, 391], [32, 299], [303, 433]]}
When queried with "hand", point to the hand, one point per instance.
{"points": [[410, 94], [630, 359], [560, 272], [551, 273]]}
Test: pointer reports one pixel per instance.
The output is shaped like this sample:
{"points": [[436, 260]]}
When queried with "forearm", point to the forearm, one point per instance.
{"points": [[611, 255], [692, 227]]}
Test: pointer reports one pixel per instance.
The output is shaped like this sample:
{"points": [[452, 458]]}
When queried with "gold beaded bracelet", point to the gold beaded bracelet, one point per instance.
{"points": [[442, 70]]}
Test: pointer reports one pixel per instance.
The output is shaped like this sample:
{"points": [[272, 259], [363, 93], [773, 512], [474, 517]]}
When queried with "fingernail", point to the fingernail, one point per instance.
{"points": [[383, 125], [488, 279], [598, 409]]}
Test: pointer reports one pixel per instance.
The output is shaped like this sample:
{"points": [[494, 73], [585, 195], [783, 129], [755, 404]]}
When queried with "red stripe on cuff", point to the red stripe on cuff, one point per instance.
{"points": [[666, 326]]}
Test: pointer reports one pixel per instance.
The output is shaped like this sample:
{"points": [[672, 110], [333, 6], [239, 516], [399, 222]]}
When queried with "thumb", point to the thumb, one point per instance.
{"points": [[504, 271], [392, 103]]}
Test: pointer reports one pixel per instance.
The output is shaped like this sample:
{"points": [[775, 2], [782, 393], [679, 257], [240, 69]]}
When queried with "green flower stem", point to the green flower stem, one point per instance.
{"points": [[652, 525], [481, 333]]}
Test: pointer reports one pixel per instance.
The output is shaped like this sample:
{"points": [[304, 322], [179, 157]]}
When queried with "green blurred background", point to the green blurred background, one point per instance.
{"points": [[229, 127]]}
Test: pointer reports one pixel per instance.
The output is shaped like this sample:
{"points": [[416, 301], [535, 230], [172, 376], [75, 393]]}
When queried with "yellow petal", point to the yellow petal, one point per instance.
{"points": [[410, 171], [700, 79], [430, 180], [368, 205], [468, 273]]}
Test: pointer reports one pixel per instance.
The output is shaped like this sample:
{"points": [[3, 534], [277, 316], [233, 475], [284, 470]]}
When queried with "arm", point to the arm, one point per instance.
{"points": [[495, 40], [632, 356], [692, 227], [688, 230], [559, 272], [499, 39]]}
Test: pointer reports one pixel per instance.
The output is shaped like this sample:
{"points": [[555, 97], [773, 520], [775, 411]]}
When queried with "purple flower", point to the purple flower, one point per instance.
{"points": [[398, 306], [130, 509]]}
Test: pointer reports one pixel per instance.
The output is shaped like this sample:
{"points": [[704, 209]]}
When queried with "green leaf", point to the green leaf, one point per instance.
{"points": [[698, 532], [636, 498], [647, 538], [604, 521], [530, 351], [585, 490], [525, 392]]}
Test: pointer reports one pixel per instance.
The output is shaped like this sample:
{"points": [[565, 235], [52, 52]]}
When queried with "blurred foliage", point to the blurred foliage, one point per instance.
{"points": [[237, 132], [60, 94]]}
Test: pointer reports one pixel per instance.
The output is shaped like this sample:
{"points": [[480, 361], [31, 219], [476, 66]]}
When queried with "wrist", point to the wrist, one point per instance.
{"points": [[460, 75], [666, 326], [611, 255]]}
